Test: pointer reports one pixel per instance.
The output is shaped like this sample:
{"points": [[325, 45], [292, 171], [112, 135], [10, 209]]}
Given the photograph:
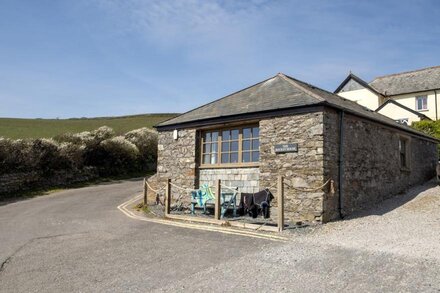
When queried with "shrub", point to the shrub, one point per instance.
{"points": [[136, 151], [429, 127], [14, 156], [73, 153], [117, 156], [146, 141], [45, 156]]}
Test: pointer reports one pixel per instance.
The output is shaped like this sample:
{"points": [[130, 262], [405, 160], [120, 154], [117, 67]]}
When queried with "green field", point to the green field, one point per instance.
{"points": [[37, 128]]}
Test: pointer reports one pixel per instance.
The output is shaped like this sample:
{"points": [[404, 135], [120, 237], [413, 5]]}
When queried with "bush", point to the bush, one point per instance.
{"points": [[429, 127], [121, 155], [146, 141], [45, 156], [133, 152], [15, 156]]}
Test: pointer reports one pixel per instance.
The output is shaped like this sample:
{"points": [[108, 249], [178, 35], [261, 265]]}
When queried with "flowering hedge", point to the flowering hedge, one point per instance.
{"points": [[101, 149]]}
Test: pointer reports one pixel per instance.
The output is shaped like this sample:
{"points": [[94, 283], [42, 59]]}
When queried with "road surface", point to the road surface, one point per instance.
{"points": [[78, 241]]}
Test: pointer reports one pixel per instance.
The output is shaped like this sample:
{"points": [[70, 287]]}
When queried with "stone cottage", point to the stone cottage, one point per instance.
{"points": [[283, 126]]}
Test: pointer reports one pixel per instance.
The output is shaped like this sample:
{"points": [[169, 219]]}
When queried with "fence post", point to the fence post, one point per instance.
{"points": [[280, 203], [168, 197], [217, 199], [145, 191]]}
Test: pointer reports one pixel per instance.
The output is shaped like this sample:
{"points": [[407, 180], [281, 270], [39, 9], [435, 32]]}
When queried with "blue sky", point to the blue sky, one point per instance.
{"points": [[102, 58]]}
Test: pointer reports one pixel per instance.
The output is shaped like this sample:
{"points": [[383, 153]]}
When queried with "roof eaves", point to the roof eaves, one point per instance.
{"points": [[390, 124]]}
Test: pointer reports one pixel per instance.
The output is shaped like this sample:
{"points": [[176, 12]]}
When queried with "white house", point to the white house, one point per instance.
{"points": [[405, 97]]}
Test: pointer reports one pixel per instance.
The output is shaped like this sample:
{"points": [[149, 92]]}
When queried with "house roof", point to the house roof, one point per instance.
{"points": [[408, 82], [359, 80], [276, 93], [390, 101]]}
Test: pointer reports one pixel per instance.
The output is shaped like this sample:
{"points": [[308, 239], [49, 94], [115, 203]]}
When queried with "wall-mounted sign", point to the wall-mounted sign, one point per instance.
{"points": [[286, 148]]}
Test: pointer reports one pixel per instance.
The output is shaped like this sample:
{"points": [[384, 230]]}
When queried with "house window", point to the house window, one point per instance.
{"points": [[404, 152], [238, 145], [421, 103]]}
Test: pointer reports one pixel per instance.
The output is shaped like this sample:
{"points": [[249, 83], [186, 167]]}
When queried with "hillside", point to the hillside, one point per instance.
{"points": [[36, 128]]}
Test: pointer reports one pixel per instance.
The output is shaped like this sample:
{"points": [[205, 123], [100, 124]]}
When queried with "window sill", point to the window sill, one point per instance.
{"points": [[229, 166], [422, 110], [405, 169]]}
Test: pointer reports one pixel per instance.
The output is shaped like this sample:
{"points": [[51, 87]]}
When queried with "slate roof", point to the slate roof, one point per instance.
{"points": [[408, 82], [361, 83], [276, 93]]}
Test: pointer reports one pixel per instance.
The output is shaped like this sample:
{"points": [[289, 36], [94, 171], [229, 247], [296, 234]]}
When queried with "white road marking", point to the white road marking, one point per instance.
{"points": [[123, 208]]}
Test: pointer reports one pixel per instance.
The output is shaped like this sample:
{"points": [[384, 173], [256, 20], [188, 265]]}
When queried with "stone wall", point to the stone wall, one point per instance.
{"points": [[301, 169], [331, 162], [16, 183], [176, 159], [246, 179], [372, 169], [371, 163]]}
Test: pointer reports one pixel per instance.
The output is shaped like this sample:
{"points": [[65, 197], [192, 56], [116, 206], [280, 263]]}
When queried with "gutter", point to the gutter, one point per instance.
{"points": [[341, 164]]}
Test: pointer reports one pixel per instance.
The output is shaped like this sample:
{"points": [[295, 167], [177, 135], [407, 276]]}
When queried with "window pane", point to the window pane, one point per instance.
{"points": [[226, 135], [214, 136], [246, 145], [247, 133], [234, 134], [255, 144], [234, 146], [225, 158], [255, 156], [207, 136], [234, 157], [206, 159], [246, 157], [214, 158], [255, 132], [214, 147], [422, 103], [206, 148], [225, 147]]}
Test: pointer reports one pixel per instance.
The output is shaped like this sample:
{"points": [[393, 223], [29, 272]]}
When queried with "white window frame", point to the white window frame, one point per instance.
{"points": [[417, 103]]}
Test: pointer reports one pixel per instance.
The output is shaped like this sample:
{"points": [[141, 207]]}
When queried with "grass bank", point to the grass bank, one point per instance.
{"points": [[17, 128]]}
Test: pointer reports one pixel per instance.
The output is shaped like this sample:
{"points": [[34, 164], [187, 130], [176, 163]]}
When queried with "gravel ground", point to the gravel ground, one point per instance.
{"points": [[407, 225], [394, 247]]}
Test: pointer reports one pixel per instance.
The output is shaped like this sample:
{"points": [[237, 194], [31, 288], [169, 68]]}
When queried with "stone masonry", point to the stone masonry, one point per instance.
{"points": [[177, 159], [370, 163], [246, 179], [372, 169], [301, 169]]}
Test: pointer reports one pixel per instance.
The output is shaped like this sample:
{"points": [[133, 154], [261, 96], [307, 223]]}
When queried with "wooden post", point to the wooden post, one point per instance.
{"points": [[145, 191], [280, 203], [168, 197], [218, 199]]}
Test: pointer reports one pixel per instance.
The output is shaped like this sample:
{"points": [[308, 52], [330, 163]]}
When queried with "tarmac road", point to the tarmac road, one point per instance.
{"points": [[77, 240]]}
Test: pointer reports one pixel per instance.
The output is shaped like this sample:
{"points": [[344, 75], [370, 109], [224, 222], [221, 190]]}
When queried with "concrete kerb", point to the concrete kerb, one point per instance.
{"points": [[124, 208]]}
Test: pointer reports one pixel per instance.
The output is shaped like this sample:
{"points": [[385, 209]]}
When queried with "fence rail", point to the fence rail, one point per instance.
{"points": [[280, 185]]}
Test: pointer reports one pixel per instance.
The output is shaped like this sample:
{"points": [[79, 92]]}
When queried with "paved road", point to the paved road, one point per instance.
{"points": [[77, 240]]}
